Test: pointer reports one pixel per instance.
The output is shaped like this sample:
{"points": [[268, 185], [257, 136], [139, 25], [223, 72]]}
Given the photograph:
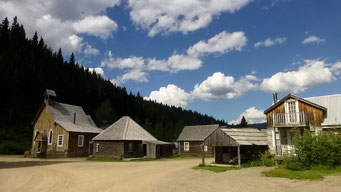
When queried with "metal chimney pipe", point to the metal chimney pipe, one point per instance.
{"points": [[74, 117]]}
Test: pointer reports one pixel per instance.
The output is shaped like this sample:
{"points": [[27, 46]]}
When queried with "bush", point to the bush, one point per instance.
{"points": [[266, 159], [293, 163]]}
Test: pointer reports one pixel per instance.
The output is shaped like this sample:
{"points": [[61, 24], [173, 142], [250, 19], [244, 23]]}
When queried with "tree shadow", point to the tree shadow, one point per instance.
{"points": [[20, 164]]}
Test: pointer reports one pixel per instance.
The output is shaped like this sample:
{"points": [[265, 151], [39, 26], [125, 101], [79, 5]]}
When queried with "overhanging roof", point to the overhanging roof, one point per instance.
{"points": [[246, 136]]}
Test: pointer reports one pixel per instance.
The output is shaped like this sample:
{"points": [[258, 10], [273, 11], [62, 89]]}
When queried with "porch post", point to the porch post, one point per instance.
{"points": [[239, 161], [203, 154]]}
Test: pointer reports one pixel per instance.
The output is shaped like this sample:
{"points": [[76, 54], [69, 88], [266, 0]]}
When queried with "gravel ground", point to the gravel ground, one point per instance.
{"points": [[77, 174]]}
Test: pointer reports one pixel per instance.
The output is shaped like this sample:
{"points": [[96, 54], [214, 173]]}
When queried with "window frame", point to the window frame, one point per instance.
{"points": [[186, 146], [130, 147], [50, 137], [205, 148], [97, 148], [60, 136], [80, 136]]}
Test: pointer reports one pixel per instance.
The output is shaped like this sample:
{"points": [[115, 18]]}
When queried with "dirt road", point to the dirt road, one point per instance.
{"points": [[21, 174]]}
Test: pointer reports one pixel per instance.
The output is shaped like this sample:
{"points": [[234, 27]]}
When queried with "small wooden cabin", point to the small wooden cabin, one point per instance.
{"points": [[192, 137], [127, 139], [289, 115], [237, 145], [61, 130]]}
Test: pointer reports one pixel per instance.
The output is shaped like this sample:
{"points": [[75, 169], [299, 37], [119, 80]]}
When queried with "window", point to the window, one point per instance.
{"points": [[49, 142], [186, 146], [60, 140], [292, 111], [130, 147], [97, 147], [80, 140], [205, 148]]}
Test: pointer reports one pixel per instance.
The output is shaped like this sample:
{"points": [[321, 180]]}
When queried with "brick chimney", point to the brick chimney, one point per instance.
{"points": [[49, 97]]}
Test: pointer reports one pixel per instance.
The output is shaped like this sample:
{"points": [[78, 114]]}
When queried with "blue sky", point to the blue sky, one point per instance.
{"points": [[222, 58]]}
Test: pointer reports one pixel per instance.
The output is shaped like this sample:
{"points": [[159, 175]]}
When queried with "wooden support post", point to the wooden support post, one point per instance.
{"points": [[239, 160], [203, 154]]}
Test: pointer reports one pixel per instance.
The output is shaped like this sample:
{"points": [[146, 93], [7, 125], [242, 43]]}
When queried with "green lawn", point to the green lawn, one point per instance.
{"points": [[312, 174], [213, 168], [104, 159]]}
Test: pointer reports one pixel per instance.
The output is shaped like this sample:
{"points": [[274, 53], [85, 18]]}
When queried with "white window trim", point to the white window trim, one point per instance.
{"points": [[62, 140], [205, 148], [49, 141], [82, 144], [97, 147], [286, 108], [186, 144]]}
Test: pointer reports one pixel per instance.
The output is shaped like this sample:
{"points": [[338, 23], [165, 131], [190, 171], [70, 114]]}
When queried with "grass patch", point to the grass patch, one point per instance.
{"points": [[213, 168], [104, 159], [144, 159], [316, 173]]}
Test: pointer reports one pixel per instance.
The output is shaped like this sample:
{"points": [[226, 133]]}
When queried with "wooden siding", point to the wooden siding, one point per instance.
{"points": [[45, 123], [194, 148], [314, 114], [109, 148], [219, 138], [137, 149], [76, 151]]}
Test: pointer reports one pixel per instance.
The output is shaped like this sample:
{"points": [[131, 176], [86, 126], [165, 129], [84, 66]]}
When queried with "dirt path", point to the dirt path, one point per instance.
{"points": [[19, 174]]}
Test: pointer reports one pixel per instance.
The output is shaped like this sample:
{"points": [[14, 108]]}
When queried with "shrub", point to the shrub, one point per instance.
{"points": [[292, 162], [266, 159]]}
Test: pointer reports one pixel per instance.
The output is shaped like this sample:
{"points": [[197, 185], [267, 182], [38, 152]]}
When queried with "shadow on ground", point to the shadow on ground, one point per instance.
{"points": [[19, 164]]}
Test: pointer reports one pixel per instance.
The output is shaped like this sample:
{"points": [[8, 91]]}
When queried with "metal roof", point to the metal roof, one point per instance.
{"points": [[63, 115], [197, 132], [125, 129], [246, 136], [333, 105]]}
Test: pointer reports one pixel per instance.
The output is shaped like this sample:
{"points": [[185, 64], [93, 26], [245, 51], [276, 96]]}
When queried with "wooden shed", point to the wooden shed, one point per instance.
{"points": [[192, 137], [127, 139], [241, 144]]}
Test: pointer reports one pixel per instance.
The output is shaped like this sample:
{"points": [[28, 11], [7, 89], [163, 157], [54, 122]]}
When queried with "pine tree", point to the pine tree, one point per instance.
{"points": [[72, 59], [35, 39], [243, 122]]}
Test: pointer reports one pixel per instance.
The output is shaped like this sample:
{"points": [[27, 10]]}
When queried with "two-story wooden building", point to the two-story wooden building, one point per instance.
{"points": [[61, 130], [289, 115]]}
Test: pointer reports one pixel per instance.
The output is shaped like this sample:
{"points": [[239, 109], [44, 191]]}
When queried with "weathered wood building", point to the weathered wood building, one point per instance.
{"points": [[127, 139], [192, 137], [237, 145], [61, 130], [288, 115]]}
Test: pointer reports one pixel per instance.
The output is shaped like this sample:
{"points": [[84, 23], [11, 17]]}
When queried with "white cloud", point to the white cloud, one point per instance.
{"points": [[100, 26], [220, 43], [170, 95], [336, 68], [164, 16], [97, 70], [88, 50], [313, 39], [270, 42], [313, 73], [219, 87], [134, 75], [55, 20], [251, 115]]}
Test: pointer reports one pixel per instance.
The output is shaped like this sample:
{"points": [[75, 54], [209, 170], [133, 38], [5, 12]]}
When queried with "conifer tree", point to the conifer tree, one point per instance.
{"points": [[243, 122]]}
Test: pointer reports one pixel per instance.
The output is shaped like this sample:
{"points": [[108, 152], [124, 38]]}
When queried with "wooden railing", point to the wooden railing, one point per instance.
{"points": [[285, 149], [299, 118]]}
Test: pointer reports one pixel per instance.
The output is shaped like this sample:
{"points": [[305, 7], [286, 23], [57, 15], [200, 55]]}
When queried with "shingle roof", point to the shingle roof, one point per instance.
{"points": [[125, 129], [63, 115], [197, 132], [246, 136], [297, 98], [333, 105]]}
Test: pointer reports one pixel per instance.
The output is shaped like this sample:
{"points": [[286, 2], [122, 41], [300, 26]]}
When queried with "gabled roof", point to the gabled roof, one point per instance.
{"points": [[246, 136], [63, 115], [333, 105], [197, 132], [125, 129], [290, 96]]}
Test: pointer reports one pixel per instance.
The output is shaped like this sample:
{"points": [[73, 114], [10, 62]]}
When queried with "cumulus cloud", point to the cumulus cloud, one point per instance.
{"points": [[270, 42], [218, 87], [313, 40], [312, 73], [164, 16], [336, 68], [190, 60], [251, 115], [97, 70], [170, 95], [133, 74], [88, 50], [62, 22]]}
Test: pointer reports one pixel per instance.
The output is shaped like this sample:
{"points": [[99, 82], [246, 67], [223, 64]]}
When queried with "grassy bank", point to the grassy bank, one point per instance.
{"points": [[316, 173]]}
